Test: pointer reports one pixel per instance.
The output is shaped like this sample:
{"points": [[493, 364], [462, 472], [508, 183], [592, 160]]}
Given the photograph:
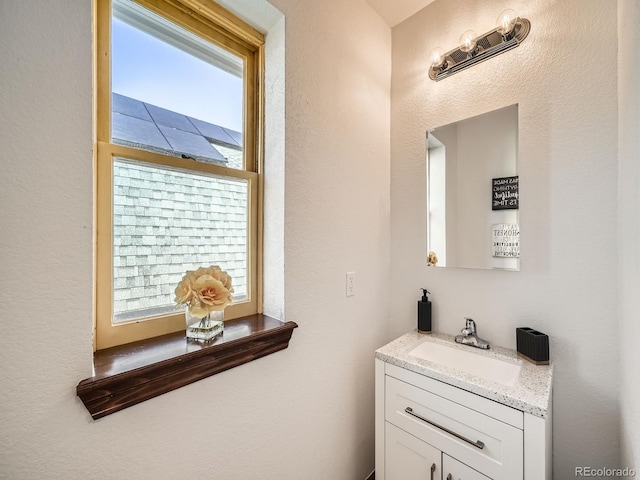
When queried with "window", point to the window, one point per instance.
{"points": [[178, 143]]}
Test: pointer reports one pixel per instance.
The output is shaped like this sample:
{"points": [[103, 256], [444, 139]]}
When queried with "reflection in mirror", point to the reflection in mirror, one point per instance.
{"points": [[472, 192]]}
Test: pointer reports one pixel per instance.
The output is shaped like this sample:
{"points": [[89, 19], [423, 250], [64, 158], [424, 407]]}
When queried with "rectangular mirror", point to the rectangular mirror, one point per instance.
{"points": [[472, 192]]}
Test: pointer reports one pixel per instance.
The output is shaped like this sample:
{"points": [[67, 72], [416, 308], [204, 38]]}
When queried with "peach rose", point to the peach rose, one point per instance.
{"points": [[211, 293], [204, 290], [224, 277], [184, 290]]}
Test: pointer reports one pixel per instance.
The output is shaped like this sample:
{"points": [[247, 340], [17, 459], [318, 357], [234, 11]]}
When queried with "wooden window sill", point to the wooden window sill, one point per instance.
{"points": [[132, 373]]}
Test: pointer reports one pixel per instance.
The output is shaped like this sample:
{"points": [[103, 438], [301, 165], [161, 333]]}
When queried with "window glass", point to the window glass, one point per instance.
{"points": [[167, 221], [173, 92]]}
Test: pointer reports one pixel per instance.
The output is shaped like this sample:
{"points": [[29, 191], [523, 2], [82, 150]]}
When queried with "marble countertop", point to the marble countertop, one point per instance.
{"points": [[530, 393]]}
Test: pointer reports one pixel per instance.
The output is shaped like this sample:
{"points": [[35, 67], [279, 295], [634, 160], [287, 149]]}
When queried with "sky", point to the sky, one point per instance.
{"points": [[155, 72]]}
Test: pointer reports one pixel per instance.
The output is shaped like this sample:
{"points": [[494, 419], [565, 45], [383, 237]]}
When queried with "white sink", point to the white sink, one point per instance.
{"points": [[479, 365]]}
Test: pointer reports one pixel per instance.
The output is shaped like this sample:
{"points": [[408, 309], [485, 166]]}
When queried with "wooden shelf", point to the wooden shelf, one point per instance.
{"points": [[132, 373]]}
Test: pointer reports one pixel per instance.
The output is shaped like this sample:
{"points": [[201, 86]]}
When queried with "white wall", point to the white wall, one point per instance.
{"points": [[568, 174], [629, 225], [306, 412], [274, 168]]}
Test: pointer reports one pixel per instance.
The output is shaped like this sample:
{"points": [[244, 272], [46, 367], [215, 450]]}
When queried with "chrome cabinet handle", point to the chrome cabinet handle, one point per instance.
{"points": [[478, 444], [449, 477], [433, 469]]}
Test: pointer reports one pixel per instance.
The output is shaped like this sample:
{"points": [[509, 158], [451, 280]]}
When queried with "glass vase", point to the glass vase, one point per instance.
{"points": [[205, 328]]}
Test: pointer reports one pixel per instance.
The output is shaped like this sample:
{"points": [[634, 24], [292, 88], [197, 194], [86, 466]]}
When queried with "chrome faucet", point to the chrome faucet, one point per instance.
{"points": [[469, 336]]}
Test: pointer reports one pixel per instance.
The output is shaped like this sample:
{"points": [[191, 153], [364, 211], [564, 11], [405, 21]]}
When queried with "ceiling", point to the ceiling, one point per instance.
{"points": [[395, 11]]}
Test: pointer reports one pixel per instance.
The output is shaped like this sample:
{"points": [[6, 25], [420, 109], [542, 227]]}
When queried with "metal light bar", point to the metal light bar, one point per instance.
{"points": [[488, 45]]}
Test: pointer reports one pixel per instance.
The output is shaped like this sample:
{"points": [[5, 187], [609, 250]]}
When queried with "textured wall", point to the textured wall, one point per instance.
{"points": [[629, 225], [306, 412], [273, 248], [568, 175]]}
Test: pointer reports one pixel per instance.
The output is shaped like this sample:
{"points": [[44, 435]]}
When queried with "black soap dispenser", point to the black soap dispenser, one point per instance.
{"points": [[424, 313]]}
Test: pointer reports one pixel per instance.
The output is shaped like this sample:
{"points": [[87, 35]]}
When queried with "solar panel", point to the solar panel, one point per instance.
{"points": [[134, 130], [214, 132], [149, 127], [237, 136], [129, 106], [190, 144], [165, 117]]}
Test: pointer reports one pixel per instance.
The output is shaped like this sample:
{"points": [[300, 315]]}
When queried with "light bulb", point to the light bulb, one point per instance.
{"points": [[506, 21], [436, 57], [468, 41]]}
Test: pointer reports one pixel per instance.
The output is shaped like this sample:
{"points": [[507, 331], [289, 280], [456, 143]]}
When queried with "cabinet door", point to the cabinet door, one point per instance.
{"points": [[407, 458], [455, 470]]}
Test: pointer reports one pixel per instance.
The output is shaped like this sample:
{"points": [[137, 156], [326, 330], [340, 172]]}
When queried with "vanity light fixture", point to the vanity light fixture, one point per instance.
{"points": [[509, 33]]}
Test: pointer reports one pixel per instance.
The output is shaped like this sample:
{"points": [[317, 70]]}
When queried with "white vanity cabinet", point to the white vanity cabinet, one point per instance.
{"points": [[459, 471], [408, 458], [428, 429]]}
